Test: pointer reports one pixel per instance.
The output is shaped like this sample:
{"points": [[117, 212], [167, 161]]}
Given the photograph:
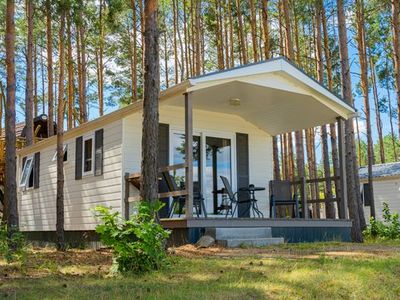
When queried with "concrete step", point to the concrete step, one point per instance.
{"points": [[239, 233], [259, 242]]}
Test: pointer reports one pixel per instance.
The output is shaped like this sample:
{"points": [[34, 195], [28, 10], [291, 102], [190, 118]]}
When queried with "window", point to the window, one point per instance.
{"points": [[88, 155], [27, 174], [65, 154]]}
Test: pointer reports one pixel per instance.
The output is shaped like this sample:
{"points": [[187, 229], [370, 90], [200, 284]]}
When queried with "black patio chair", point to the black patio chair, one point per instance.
{"points": [[180, 201], [233, 199], [280, 195]]}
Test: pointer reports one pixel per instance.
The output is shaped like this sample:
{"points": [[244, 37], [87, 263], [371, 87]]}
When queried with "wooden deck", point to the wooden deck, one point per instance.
{"points": [[292, 230], [251, 222]]}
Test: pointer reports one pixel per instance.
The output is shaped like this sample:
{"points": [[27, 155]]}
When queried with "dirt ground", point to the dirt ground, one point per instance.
{"points": [[45, 261], [292, 251]]}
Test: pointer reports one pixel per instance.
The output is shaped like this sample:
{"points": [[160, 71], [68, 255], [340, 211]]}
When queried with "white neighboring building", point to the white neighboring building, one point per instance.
{"points": [[386, 181]]}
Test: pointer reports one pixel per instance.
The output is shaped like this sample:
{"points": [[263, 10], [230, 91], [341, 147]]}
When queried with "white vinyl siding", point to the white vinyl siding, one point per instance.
{"points": [[37, 207], [213, 124], [385, 190]]}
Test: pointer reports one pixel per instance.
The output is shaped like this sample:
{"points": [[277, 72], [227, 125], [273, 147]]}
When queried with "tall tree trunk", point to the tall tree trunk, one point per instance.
{"points": [[265, 28], [79, 67], [101, 65], [299, 133], [49, 41], [332, 126], [353, 188], [394, 140], [175, 21], [277, 172], [82, 99], [134, 61], [378, 119], [312, 166], [396, 49], [35, 82], [219, 37], [282, 48], [60, 137], [197, 37], [242, 40], [70, 64], [231, 39], [186, 40], [43, 79], [362, 54], [286, 15], [149, 186], [10, 192], [141, 13], [29, 76], [225, 25], [166, 57], [253, 24], [329, 206]]}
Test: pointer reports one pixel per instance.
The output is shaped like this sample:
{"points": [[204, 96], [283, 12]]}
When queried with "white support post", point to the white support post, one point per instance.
{"points": [[189, 155], [343, 209]]}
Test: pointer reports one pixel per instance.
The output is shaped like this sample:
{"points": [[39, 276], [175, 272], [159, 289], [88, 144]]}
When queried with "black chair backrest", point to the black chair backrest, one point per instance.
{"points": [[228, 188], [171, 183], [280, 189]]}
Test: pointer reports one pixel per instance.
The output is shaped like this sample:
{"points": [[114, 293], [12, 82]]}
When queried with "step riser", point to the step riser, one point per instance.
{"points": [[239, 233], [234, 243]]}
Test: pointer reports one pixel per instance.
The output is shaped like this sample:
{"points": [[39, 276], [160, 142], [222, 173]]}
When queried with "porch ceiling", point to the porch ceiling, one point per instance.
{"points": [[276, 102]]}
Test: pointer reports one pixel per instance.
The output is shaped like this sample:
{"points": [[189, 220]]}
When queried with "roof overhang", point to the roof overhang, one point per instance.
{"points": [[274, 95]]}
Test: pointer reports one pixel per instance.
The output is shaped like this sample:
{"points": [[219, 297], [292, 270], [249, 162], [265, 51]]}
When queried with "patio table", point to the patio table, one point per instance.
{"points": [[251, 189]]}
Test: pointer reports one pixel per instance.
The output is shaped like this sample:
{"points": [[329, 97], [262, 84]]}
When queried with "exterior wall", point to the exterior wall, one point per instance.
{"points": [[211, 124], [37, 207], [385, 190]]}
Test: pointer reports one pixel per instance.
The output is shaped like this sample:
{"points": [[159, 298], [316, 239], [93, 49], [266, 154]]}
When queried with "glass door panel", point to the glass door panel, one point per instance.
{"points": [[218, 163], [178, 152]]}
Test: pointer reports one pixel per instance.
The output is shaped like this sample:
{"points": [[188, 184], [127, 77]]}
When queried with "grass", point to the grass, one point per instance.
{"points": [[302, 271]]}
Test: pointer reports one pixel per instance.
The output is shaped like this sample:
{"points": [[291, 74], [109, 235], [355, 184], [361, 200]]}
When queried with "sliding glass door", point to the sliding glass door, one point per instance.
{"points": [[178, 157], [218, 163]]}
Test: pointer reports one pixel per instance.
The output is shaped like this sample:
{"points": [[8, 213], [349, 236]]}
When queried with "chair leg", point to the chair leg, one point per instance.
{"points": [[259, 213], [197, 210], [204, 207], [297, 209], [234, 210], [248, 209], [171, 212]]}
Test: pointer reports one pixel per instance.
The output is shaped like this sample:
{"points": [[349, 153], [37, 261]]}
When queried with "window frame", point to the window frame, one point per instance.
{"points": [[84, 139], [65, 150], [24, 169]]}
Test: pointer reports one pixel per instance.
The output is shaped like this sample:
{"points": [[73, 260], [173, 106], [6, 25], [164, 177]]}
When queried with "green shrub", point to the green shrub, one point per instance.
{"points": [[138, 244], [12, 248], [388, 229]]}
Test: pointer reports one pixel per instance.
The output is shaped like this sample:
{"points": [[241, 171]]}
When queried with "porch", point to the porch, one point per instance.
{"points": [[276, 98]]}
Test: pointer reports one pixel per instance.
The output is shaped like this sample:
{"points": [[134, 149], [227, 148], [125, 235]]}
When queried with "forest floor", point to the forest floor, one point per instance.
{"points": [[297, 271]]}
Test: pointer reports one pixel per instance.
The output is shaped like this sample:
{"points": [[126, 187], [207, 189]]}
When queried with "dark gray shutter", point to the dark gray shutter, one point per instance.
{"points": [[366, 194], [78, 157], [163, 160], [36, 171], [242, 163], [98, 152]]}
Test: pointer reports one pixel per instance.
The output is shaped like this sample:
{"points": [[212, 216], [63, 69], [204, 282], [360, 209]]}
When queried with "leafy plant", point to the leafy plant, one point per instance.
{"points": [[138, 244], [388, 229], [12, 248]]}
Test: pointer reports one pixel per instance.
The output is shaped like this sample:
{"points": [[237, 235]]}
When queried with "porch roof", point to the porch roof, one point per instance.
{"points": [[274, 95]]}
